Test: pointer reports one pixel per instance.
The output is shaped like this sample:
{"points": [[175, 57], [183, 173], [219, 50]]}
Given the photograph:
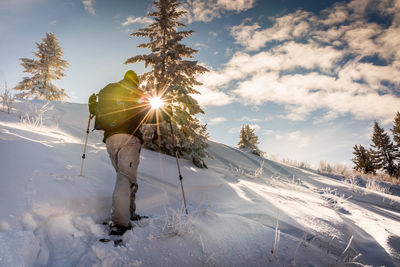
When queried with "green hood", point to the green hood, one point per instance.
{"points": [[130, 79]]}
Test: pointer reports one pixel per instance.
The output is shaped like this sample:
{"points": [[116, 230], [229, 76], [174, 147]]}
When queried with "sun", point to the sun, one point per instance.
{"points": [[156, 102]]}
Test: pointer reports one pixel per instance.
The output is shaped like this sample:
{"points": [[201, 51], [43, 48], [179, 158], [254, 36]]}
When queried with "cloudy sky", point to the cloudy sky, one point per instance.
{"points": [[310, 76]]}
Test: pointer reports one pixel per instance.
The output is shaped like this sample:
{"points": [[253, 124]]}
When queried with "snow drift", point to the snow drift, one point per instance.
{"points": [[243, 211]]}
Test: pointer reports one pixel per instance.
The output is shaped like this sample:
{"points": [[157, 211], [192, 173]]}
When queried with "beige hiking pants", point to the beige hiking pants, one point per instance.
{"points": [[124, 152]]}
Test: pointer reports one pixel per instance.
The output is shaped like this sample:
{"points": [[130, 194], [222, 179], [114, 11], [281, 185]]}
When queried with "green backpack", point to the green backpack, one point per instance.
{"points": [[116, 103]]}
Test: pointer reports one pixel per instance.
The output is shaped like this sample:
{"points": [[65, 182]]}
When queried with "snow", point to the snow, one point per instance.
{"points": [[27, 222], [4, 226], [243, 211]]}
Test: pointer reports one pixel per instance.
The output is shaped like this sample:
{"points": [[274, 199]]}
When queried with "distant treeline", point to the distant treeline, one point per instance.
{"points": [[383, 155]]}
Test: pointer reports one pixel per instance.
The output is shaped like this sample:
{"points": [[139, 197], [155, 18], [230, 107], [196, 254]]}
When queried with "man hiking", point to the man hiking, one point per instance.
{"points": [[121, 108]]}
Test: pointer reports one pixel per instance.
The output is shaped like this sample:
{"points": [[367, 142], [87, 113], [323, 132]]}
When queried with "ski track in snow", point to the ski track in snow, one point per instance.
{"points": [[51, 216]]}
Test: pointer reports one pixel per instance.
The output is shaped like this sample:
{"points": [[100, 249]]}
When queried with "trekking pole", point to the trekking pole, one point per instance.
{"points": [[177, 163], [84, 149]]}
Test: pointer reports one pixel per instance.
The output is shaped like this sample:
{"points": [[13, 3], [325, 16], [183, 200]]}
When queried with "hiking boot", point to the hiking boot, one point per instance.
{"points": [[119, 229], [137, 217]]}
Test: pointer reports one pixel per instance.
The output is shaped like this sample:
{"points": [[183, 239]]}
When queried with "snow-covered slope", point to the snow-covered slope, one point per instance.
{"points": [[243, 210]]}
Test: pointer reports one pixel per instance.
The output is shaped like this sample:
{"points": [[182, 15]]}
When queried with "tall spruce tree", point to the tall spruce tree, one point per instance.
{"points": [[47, 66], [248, 139], [382, 151], [173, 77], [362, 160]]}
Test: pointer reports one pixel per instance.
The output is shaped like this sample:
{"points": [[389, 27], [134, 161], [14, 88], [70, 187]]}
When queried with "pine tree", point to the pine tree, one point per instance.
{"points": [[382, 151], [396, 137], [362, 160], [172, 77], [248, 139], [396, 130], [47, 66]]}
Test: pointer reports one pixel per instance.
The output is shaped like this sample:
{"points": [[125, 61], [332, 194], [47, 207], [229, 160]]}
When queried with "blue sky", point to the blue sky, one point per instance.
{"points": [[311, 76]]}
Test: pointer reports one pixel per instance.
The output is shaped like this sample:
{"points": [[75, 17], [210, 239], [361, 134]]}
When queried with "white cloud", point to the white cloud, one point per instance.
{"points": [[294, 136], [359, 7], [304, 93], [338, 14], [284, 57], [294, 139], [389, 43], [244, 33], [88, 4], [245, 118], [268, 118], [212, 97], [198, 44], [372, 74], [298, 139], [270, 132], [217, 120], [318, 62], [391, 8], [341, 24], [293, 55], [360, 39], [141, 20], [210, 94], [236, 130], [207, 10], [236, 5], [256, 127], [252, 37]]}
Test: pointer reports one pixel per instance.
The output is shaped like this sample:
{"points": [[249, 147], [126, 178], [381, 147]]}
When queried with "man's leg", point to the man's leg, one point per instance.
{"points": [[120, 214], [134, 189], [125, 157]]}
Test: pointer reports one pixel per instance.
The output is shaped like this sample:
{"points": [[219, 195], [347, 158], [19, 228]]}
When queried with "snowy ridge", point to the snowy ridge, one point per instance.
{"points": [[243, 210]]}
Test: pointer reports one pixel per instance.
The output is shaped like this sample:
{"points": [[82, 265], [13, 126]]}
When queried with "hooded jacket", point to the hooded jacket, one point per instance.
{"points": [[132, 125], [141, 108]]}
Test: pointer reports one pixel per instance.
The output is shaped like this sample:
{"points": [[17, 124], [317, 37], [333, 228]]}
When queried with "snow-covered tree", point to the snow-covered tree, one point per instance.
{"points": [[248, 139], [396, 130], [7, 99], [383, 150], [362, 160], [173, 77], [396, 137], [196, 137], [47, 66]]}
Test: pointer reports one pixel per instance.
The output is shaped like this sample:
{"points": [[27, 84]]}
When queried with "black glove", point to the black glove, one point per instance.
{"points": [[93, 104]]}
